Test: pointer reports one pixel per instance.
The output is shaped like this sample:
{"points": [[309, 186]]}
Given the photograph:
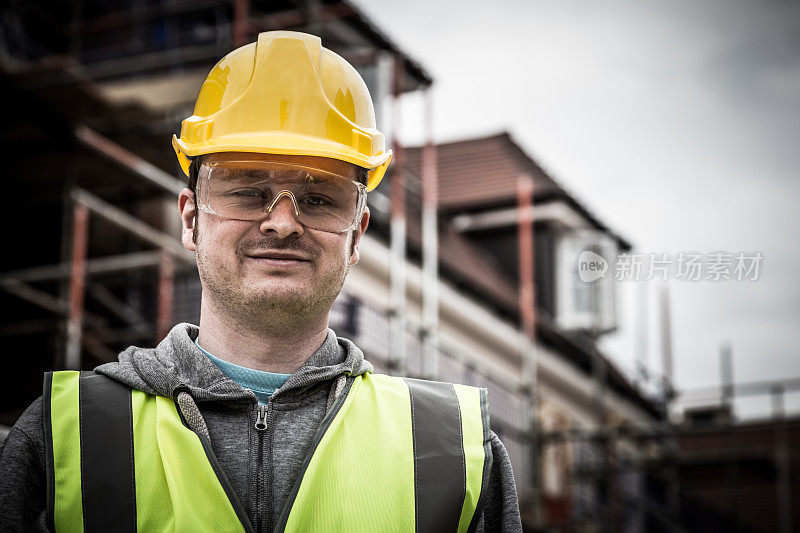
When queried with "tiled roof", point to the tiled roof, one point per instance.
{"points": [[477, 172], [484, 172]]}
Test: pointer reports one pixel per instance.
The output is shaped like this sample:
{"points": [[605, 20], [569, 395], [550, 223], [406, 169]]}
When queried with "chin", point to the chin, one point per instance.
{"points": [[281, 285]]}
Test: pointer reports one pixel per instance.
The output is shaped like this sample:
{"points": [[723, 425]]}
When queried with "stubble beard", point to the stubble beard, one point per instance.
{"points": [[268, 308]]}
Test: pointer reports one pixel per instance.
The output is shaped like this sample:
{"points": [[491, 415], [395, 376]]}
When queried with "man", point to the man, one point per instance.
{"points": [[261, 418]]}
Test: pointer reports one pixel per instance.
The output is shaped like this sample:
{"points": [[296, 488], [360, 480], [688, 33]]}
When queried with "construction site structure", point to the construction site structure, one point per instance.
{"points": [[469, 271]]}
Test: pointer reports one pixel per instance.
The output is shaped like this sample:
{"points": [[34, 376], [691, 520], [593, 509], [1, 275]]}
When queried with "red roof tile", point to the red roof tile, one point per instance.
{"points": [[484, 172]]}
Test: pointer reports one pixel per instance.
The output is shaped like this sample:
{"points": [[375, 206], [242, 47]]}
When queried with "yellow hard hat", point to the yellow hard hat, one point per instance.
{"points": [[285, 94]]}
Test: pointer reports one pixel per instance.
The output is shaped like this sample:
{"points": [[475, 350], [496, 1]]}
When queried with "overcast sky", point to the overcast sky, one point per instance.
{"points": [[677, 123]]}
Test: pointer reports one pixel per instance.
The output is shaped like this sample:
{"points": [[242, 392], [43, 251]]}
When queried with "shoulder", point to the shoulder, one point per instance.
{"points": [[26, 437], [501, 504], [22, 453], [22, 474], [501, 460], [443, 398]]}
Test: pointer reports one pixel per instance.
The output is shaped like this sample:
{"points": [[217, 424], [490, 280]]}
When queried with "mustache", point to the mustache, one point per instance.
{"points": [[254, 246]]}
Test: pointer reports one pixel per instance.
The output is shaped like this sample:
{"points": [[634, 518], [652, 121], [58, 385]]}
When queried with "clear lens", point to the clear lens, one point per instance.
{"points": [[248, 190]]}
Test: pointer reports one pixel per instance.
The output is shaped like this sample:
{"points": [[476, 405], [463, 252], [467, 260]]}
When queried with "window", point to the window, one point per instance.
{"points": [[585, 291]]}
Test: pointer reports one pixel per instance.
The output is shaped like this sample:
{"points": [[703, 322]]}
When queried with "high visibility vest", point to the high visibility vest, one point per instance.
{"points": [[392, 454]]}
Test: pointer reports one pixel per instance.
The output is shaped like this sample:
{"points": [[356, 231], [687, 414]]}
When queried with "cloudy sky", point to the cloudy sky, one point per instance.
{"points": [[677, 123]]}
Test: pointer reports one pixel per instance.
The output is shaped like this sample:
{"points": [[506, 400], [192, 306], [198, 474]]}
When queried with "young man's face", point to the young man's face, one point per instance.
{"points": [[274, 266]]}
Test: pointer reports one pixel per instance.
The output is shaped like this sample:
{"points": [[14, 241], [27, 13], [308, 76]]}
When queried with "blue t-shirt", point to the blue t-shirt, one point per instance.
{"points": [[263, 384]]}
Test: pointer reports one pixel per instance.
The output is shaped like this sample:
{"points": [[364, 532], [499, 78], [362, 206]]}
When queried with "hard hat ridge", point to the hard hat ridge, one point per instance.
{"points": [[285, 94]]}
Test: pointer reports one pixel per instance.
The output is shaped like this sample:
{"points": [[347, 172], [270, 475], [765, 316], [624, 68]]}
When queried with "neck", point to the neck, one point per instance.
{"points": [[260, 346]]}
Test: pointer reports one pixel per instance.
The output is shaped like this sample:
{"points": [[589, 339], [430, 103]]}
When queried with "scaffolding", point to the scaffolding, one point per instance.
{"points": [[120, 275], [94, 173]]}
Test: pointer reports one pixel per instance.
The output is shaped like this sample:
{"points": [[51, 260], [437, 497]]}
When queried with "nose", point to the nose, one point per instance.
{"points": [[282, 216]]}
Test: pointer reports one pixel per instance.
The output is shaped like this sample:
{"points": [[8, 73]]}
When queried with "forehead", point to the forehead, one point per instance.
{"points": [[342, 168]]}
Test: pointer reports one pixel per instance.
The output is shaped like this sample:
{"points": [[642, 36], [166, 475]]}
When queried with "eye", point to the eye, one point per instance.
{"points": [[316, 200]]}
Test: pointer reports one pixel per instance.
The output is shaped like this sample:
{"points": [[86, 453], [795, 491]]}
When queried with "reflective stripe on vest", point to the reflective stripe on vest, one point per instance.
{"points": [[122, 460], [393, 454]]}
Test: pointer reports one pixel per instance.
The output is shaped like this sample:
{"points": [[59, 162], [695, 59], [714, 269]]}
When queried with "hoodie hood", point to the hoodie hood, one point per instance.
{"points": [[177, 362]]}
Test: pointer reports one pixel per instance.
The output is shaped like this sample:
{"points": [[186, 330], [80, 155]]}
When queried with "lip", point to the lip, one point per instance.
{"points": [[279, 259], [278, 263], [278, 255]]}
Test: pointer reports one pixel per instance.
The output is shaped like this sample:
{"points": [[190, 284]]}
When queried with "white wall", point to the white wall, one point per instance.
{"points": [[482, 338]]}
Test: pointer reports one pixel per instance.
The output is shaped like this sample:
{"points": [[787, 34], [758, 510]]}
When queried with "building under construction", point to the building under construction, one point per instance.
{"points": [[468, 273]]}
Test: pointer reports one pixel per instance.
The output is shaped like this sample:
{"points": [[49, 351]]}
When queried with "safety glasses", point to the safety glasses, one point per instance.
{"points": [[250, 190]]}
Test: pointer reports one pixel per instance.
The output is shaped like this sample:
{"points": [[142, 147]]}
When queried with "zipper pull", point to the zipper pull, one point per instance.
{"points": [[261, 420]]}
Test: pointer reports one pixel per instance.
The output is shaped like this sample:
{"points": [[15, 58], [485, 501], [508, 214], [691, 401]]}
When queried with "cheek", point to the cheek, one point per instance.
{"points": [[336, 251], [215, 246]]}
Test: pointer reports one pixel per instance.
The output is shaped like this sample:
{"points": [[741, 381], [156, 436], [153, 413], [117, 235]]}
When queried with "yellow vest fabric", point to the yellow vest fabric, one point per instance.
{"points": [[372, 468], [176, 487]]}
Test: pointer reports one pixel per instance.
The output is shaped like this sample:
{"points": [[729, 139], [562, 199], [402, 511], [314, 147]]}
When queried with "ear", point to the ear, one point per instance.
{"points": [[357, 234], [188, 214]]}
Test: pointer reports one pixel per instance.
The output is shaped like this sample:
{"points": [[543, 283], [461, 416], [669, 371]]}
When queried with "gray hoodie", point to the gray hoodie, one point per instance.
{"points": [[261, 466]]}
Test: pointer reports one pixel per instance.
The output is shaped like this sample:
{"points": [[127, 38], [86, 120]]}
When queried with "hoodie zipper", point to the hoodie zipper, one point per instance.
{"points": [[263, 427], [261, 418]]}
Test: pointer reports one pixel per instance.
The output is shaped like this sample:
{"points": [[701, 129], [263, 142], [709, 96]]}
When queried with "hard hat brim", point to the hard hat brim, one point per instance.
{"points": [[283, 144]]}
